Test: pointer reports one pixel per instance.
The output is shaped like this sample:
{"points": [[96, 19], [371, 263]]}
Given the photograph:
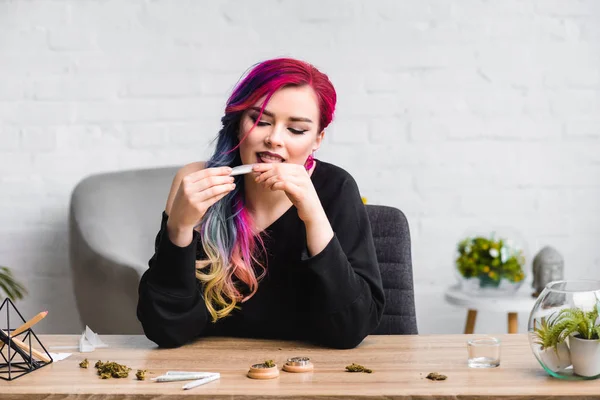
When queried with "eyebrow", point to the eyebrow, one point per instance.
{"points": [[270, 114]]}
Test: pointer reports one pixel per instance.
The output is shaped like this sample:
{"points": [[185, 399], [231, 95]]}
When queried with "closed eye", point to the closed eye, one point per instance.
{"points": [[296, 131], [265, 123], [260, 123]]}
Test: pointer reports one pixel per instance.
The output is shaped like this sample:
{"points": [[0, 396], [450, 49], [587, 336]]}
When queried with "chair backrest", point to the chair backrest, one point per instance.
{"points": [[119, 213], [391, 235]]}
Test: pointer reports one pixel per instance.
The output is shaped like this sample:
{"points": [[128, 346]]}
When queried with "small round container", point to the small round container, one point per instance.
{"points": [[483, 352], [298, 364], [261, 371]]}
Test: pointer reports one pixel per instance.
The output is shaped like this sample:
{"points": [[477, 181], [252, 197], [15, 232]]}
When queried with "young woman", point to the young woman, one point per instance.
{"points": [[283, 252]]}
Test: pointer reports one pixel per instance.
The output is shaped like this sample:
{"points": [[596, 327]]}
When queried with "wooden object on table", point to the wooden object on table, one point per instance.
{"points": [[260, 371], [6, 344], [29, 358], [521, 301], [298, 365], [400, 365], [29, 323], [37, 354]]}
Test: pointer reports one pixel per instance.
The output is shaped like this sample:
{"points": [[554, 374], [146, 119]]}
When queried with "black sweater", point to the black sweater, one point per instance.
{"points": [[334, 298]]}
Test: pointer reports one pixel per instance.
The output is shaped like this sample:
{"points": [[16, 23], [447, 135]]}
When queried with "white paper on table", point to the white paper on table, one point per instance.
{"points": [[59, 356], [93, 338], [89, 341], [84, 345]]}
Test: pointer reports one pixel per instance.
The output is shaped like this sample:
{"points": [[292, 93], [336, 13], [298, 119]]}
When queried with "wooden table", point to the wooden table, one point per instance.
{"points": [[400, 364]]}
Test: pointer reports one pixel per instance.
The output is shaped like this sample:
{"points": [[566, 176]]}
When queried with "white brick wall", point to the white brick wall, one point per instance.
{"points": [[461, 113]]}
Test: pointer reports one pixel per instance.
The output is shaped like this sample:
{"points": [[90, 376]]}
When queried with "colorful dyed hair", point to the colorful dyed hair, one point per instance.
{"points": [[233, 267]]}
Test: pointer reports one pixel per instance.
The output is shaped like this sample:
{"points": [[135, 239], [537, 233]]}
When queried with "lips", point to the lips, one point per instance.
{"points": [[268, 157]]}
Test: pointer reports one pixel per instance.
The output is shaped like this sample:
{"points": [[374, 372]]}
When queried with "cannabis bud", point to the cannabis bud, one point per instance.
{"points": [[269, 363], [434, 376], [84, 363], [141, 374], [112, 369], [357, 368]]}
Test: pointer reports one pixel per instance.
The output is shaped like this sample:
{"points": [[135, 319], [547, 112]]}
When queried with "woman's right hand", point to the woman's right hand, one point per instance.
{"points": [[196, 193]]}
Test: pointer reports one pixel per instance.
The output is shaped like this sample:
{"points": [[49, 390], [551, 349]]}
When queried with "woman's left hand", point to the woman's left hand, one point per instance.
{"points": [[294, 180]]}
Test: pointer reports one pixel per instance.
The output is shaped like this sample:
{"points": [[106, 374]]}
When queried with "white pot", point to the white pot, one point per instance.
{"points": [[585, 356], [557, 358]]}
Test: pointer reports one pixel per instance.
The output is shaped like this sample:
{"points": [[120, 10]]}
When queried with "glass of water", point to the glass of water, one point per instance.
{"points": [[483, 352]]}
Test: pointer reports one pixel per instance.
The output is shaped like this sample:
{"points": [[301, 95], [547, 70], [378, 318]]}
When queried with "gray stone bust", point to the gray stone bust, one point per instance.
{"points": [[548, 266]]}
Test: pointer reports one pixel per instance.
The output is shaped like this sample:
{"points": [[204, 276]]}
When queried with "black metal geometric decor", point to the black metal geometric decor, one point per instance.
{"points": [[22, 353]]}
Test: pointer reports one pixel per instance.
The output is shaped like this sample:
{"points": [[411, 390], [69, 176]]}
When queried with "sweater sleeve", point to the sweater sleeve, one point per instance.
{"points": [[170, 305], [346, 293]]}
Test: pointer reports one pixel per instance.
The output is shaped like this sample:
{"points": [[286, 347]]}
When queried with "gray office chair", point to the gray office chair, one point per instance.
{"points": [[392, 244], [113, 221], [114, 218]]}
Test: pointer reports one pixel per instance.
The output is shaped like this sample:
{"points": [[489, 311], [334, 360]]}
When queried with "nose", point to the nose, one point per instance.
{"points": [[275, 137]]}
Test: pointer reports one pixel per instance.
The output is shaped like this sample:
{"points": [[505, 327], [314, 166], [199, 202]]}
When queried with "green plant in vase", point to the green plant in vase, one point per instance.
{"points": [[581, 324], [10, 286], [553, 349], [565, 317], [490, 261], [583, 330]]}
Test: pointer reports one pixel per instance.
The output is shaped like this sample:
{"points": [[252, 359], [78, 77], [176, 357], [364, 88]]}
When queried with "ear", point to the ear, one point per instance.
{"points": [[318, 140]]}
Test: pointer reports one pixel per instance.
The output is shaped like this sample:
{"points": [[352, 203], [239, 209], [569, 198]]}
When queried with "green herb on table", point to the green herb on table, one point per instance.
{"points": [[141, 374], [434, 376], [357, 368], [84, 363], [112, 369]]}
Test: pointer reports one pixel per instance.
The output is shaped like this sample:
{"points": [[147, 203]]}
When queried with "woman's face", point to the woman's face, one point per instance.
{"points": [[287, 130]]}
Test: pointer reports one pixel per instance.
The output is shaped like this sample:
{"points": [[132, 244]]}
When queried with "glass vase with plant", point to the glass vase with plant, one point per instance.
{"points": [[490, 263], [564, 329]]}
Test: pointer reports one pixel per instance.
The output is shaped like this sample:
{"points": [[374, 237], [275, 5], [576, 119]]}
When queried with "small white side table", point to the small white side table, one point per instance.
{"points": [[521, 301]]}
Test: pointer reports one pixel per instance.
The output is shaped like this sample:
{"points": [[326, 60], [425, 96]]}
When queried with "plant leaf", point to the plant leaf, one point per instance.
{"points": [[13, 289]]}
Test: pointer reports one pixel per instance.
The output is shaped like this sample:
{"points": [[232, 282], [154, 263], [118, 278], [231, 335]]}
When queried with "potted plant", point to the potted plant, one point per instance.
{"points": [[11, 288], [583, 330], [574, 308], [553, 347], [490, 263]]}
